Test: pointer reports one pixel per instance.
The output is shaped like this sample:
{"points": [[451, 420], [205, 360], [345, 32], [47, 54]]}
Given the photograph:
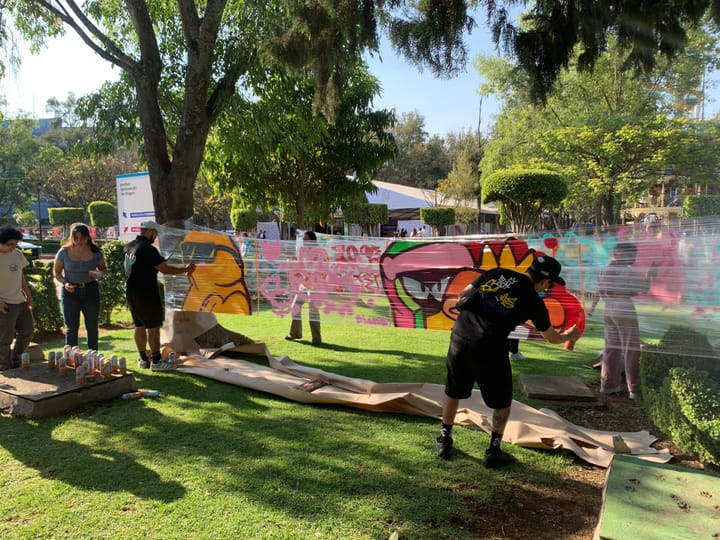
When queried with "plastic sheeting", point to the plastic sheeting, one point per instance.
{"points": [[668, 276]]}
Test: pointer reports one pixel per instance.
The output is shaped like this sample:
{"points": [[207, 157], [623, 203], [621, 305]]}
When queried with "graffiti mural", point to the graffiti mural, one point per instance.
{"points": [[423, 280], [218, 283], [414, 283]]}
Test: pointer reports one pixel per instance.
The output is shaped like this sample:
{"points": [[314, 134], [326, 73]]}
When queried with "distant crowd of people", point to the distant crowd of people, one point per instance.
{"points": [[416, 233]]}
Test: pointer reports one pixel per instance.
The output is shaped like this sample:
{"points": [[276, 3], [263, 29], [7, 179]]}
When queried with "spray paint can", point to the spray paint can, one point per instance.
{"points": [[132, 395], [89, 370], [150, 393], [62, 367], [51, 360], [122, 365], [25, 361], [80, 375]]}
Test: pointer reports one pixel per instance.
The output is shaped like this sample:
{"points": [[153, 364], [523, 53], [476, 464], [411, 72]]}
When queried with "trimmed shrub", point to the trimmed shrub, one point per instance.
{"points": [[437, 216], [680, 388], [112, 285], [243, 219], [66, 216], [697, 422], [366, 214], [46, 306], [102, 214], [695, 206]]}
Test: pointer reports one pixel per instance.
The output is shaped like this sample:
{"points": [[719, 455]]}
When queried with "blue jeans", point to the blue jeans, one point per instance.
{"points": [[16, 323], [85, 300]]}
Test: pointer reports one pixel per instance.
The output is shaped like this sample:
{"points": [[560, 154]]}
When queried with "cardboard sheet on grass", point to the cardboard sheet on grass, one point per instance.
{"points": [[527, 427]]}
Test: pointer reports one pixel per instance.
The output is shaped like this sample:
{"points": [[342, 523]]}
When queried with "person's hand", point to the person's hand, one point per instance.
{"points": [[572, 333], [3, 307], [69, 287], [189, 269]]}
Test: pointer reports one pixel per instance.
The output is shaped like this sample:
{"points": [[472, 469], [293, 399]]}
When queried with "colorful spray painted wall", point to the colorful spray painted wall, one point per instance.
{"points": [[415, 283]]}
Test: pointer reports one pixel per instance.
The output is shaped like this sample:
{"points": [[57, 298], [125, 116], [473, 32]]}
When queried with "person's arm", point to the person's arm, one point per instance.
{"points": [[101, 265], [551, 335], [165, 268], [464, 296], [26, 292], [58, 270], [596, 299]]}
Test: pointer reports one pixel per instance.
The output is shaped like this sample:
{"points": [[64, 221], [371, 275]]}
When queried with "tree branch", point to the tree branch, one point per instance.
{"points": [[84, 28]]}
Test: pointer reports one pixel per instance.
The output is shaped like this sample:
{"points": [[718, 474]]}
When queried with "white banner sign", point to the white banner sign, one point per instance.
{"points": [[134, 203]]}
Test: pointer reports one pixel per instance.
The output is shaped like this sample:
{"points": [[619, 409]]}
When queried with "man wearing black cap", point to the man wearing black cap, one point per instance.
{"points": [[489, 309], [142, 264]]}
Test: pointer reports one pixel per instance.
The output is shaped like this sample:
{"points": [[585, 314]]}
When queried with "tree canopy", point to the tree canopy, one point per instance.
{"points": [[184, 60], [279, 152], [523, 193], [612, 135]]}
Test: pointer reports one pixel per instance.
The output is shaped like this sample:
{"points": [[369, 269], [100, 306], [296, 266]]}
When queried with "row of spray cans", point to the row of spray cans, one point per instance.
{"points": [[88, 366]]}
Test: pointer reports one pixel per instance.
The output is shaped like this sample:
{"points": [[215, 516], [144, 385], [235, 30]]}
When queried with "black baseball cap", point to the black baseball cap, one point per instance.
{"points": [[548, 267]]}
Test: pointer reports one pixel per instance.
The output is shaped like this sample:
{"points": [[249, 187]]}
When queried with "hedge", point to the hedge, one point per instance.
{"points": [[680, 385], [46, 306]]}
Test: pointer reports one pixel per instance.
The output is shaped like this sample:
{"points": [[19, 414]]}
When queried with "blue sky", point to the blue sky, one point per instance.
{"points": [[447, 105]]}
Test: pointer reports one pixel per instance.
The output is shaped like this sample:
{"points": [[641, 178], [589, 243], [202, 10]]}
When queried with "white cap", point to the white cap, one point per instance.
{"points": [[149, 225]]}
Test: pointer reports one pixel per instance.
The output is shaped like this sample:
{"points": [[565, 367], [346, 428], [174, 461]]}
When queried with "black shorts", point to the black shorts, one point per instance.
{"points": [[485, 363], [146, 308]]}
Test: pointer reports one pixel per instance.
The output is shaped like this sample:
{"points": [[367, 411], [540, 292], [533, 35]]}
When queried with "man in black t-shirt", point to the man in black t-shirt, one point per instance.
{"points": [[490, 308], [142, 264]]}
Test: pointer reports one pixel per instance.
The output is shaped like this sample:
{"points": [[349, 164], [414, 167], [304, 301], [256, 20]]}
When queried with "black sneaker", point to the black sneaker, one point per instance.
{"points": [[443, 445], [494, 460]]}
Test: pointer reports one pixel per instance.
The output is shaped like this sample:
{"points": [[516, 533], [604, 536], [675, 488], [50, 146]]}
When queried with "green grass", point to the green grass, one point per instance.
{"points": [[210, 460]]}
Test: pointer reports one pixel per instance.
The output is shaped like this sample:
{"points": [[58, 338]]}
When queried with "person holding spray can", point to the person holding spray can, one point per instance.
{"points": [[142, 263], [489, 309]]}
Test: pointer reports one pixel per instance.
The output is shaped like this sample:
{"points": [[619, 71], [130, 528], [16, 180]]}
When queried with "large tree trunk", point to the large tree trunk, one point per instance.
{"points": [[172, 180]]}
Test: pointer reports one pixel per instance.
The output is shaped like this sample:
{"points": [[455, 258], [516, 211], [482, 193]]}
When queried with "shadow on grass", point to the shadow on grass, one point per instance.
{"points": [[89, 468]]}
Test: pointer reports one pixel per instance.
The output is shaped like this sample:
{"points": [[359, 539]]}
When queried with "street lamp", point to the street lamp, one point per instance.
{"points": [[38, 186]]}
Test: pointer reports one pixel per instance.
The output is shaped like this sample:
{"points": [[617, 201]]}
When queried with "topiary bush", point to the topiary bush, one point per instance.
{"points": [[112, 285], [697, 425], [46, 306], [680, 385]]}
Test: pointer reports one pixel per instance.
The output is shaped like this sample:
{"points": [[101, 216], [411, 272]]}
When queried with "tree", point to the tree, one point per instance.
{"points": [[74, 180], [17, 150], [552, 33], [436, 216], [102, 214], [463, 180], [283, 154], [524, 193], [421, 161], [367, 215], [607, 132], [212, 207]]}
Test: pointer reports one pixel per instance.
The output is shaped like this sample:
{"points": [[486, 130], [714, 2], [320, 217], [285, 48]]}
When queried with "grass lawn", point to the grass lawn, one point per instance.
{"points": [[210, 460]]}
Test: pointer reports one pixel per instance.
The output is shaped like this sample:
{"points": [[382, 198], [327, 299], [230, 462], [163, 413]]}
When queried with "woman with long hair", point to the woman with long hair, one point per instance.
{"points": [[78, 265]]}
